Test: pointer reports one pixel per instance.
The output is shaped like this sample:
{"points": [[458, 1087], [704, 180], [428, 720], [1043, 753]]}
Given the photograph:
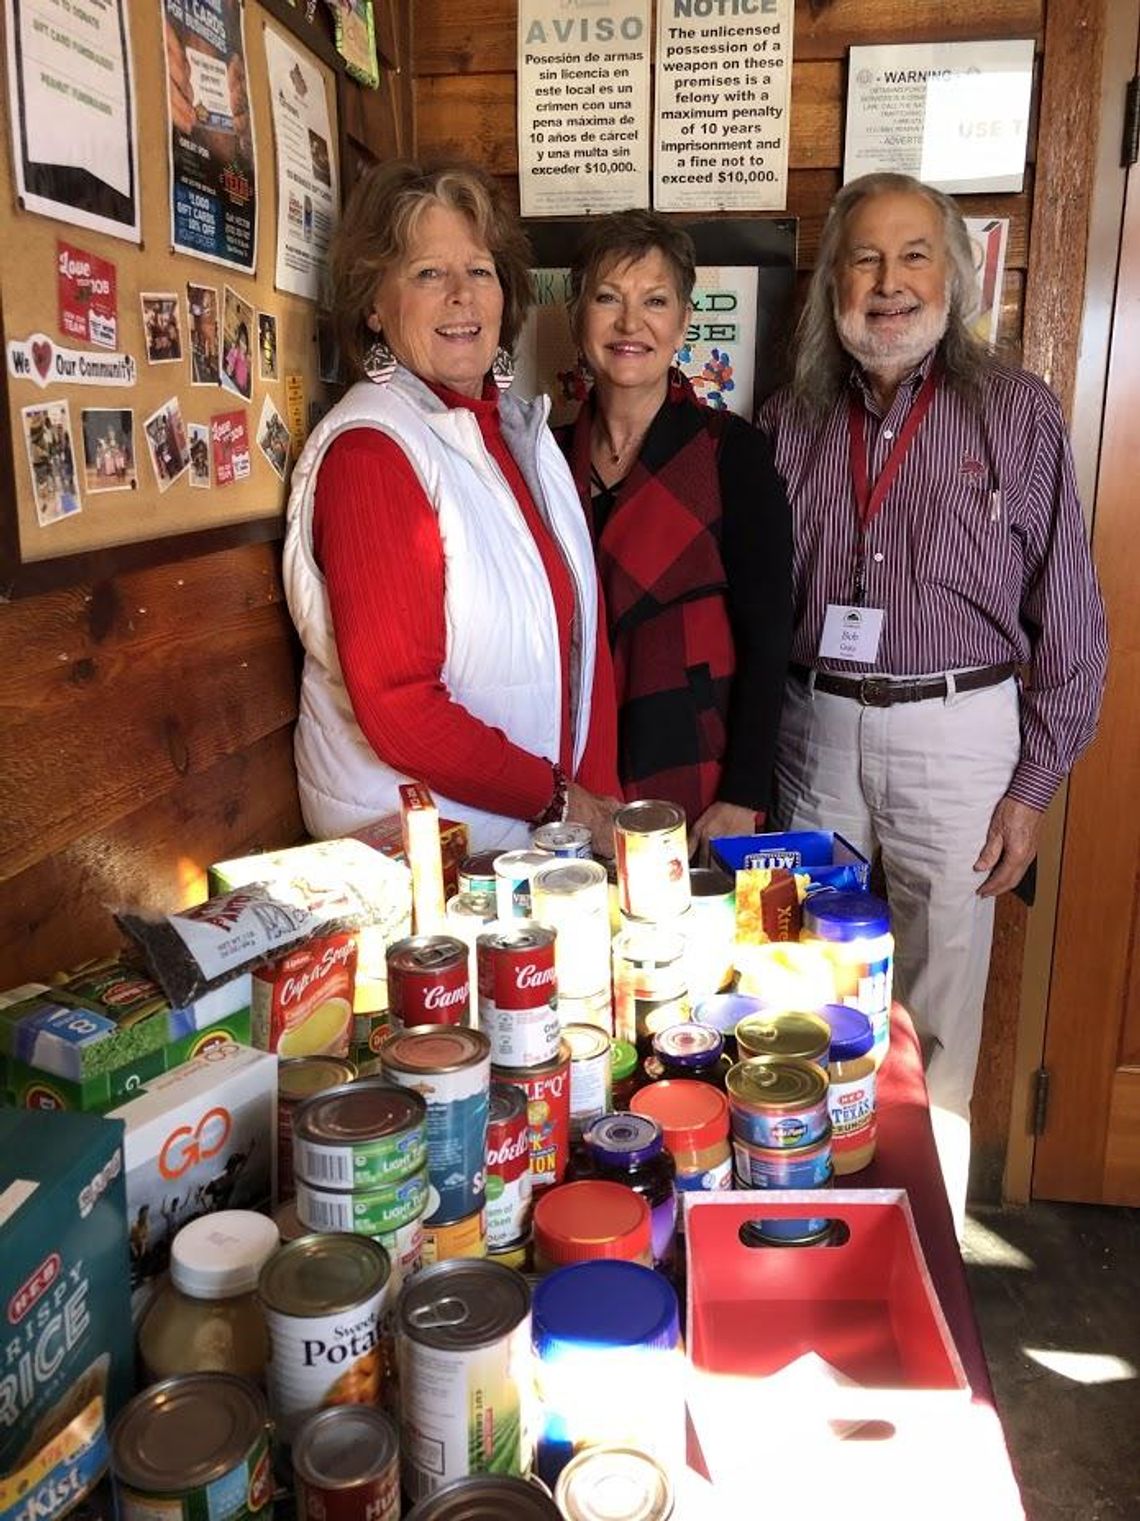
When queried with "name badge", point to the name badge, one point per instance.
{"points": [[851, 633]]}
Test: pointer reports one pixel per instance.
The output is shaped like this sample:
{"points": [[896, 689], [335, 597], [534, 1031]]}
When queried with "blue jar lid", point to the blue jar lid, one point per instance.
{"points": [[851, 1032], [724, 1011], [623, 1138], [692, 1046], [846, 916], [604, 1304]]}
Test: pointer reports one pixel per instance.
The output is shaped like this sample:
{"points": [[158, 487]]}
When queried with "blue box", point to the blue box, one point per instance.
{"points": [[826, 858]]}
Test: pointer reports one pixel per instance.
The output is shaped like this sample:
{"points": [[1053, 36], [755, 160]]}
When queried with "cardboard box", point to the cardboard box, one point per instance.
{"points": [[825, 858], [68, 1353], [198, 1139], [386, 835]]}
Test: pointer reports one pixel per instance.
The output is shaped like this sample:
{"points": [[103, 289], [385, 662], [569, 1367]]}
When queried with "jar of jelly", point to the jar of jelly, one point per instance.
{"points": [[630, 1148], [688, 1051], [623, 1072]]}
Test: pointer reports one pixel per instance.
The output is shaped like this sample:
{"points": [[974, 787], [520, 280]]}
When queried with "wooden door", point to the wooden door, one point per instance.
{"points": [[1090, 1147]]}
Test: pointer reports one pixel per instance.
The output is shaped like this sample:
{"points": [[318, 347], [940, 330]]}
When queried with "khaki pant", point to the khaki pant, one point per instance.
{"points": [[917, 782]]}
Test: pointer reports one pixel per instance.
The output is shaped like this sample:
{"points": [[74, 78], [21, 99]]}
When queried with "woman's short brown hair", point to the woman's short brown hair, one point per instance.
{"points": [[379, 223], [623, 237]]}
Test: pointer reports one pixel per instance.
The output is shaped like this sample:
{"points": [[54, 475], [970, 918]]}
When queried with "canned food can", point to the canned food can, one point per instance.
{"points": [[788, 1167], [516, 1256], [573, 898], [457, 1238], [371, 1212], [547, 1090], [787, 1032], [477, 872], [468, 915], [297, 1081], [346, 1466], [513, 872], [369, 1031], [508, 1167], [591, 1091], [592, 1477], [570, 842], [652, 852], [405, 1247], [650, 985], [463, 1347], [518, 994], [428, 982], [323, 1298], [596, 1010], [487, 1498], [778, 1101], [774, 1231], [362, 1136], [450, 1067], [192, 1448]]}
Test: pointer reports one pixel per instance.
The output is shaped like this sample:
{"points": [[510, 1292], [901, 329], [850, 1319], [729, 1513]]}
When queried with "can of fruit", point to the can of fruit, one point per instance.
{"points": [[366, 1212], [323, 1297], [297, 1081], [513, 872], [591, 1092], [428, 982], [508, 1167], [362, 1136], [518, 994], [458, 1238], [547, 1090], [450, 1067], [652, 860], [346, 1466]]}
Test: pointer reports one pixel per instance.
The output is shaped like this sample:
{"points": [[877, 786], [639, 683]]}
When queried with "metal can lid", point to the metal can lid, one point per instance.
{"points": [[485, 1498], [367, 1110], [586, 1042], [791, 1032], [301, 1076], [605, 1304], [834, 915], [323, 1274], [649, 816], [435, 1048], [647, 946], [561, 836], [426, 953], [565, 878], [709, 882], [623, 1060], [472, 905], [625, 1138], [689, 1045], [462, 1304], [481, 864], [520, 863], [186, 1432], [219, 1255], [589, 1219], [345, 1446], [724, 1011], [693, 1116], [507, 1103], [522, 935], [605, 1482], [777, 1082], [852, 1034]]}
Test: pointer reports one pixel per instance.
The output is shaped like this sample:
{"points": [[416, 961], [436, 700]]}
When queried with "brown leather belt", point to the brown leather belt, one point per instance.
{"points": [[885, 691]]}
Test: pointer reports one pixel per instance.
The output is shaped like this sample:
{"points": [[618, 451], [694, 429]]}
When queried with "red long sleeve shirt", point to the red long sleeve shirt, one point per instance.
{"points": [[388, 614]]}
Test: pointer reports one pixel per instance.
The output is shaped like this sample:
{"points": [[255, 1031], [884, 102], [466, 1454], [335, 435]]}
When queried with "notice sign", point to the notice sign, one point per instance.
{"points": [[723, 81], [954, 114], [583, 116]]}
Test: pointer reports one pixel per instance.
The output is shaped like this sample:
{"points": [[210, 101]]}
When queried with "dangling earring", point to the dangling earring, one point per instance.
{"points": [[503, 369], [379, 362]]}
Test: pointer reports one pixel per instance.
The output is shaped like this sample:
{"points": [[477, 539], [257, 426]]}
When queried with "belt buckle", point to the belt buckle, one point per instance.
{"points": [[875, 691]]}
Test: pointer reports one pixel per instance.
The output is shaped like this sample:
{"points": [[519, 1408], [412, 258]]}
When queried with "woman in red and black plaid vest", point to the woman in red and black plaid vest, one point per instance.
{"points": [[692, 533]]}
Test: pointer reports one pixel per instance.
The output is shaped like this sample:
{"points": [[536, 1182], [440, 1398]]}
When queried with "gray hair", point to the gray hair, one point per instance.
{"points": [[820, 363]]}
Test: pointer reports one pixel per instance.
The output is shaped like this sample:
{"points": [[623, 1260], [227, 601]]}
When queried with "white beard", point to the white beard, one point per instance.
{"points": [[888, 351]]}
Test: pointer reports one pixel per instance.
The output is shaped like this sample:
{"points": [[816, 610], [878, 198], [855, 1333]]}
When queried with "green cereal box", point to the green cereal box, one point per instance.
{"points": [[66, 1364]]}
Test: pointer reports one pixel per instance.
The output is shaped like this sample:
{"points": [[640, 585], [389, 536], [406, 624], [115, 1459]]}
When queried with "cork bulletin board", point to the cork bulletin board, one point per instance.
{"points": [[89, 466]]}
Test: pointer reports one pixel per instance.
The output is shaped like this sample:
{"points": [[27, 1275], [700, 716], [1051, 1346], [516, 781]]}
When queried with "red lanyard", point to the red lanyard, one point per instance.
{"points": [[869, 500]]}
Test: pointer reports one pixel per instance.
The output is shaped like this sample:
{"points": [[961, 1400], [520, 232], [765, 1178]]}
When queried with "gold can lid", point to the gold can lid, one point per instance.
{"points": [[649, 817], [585, 1042], [185, 1432], [302, 1076], [790, 1033], [777, 1082], [607, 1481], [430, 1049], [322, 1275]]}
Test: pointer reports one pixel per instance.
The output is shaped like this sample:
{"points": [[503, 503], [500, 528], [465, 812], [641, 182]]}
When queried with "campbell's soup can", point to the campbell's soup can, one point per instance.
{"points": [[652, 852], [301, 1003], [518, 994], [428, 982], [508, 1168], [547, 1090], [346, 1466]]}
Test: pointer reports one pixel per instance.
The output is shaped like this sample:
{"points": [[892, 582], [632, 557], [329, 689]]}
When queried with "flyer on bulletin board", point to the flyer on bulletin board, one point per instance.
{"points": [[307, 197], [213, 187]]}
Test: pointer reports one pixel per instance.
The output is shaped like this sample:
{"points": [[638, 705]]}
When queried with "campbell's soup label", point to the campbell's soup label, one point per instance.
{"points": [[302, 1002], [518, 996]]}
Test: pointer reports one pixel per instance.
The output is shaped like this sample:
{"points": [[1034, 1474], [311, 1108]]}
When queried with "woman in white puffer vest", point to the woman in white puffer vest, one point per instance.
{"points": [[437, 563]]}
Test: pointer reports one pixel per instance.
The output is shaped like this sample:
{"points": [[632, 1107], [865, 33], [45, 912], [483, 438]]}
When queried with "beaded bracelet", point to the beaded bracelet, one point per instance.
{"points": [[556, 810]]}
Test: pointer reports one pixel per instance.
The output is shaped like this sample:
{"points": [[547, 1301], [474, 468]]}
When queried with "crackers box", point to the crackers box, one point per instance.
{"points": [[387, 836], [68, 1356], [825, 858]]}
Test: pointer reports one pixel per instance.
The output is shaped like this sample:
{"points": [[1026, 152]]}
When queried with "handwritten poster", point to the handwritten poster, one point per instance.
{"points": [[723, 85], [307, 198], [583, 106]]}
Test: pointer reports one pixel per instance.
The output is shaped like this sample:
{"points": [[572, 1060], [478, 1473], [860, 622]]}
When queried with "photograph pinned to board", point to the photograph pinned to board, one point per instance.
{"points": [[51, 460], [167, 443], [87, 296], [229, 447], [307, 205], [355, 39], [237, 344], [162, 327], [213, 174], [74, 134], [266, 346], [989, 237], [205, 335], [199, 435], [273, 438], [108, 449]]}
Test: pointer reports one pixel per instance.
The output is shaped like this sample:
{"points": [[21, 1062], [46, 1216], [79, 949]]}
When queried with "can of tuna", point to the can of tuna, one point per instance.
{"points": [[362, 1136], [428, 982], [323, 1298], [508, 1168], [547, 1090], [346, 1466], [463, 1347], [365, 1212], [778, 1101], [513, 872], [518, 994], [651, 990], [570, 842], [297, 1081], [486, 1499], [787, 1032], [652, 860], [477, 872], [468, 915], [791, 1167], [599, 1479], [591, 1092], [192, 1448], [573, 898], [458, 1238], [450, 1067]]}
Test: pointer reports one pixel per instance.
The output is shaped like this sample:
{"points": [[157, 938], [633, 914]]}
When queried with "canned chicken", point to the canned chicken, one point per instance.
{"points": [[518, 994], [362, 1136], [508, 1168], [297, 1081], [346, 1466], [547, 1090], [428, 982], [652, 860]]}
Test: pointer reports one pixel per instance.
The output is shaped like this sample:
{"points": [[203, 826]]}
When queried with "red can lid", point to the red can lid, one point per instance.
{"points": [[581, 1222], [693, 1116]]}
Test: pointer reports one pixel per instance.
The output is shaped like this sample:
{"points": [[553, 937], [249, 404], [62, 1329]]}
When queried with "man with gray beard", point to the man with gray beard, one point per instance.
{"points": [[949, 650]]}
